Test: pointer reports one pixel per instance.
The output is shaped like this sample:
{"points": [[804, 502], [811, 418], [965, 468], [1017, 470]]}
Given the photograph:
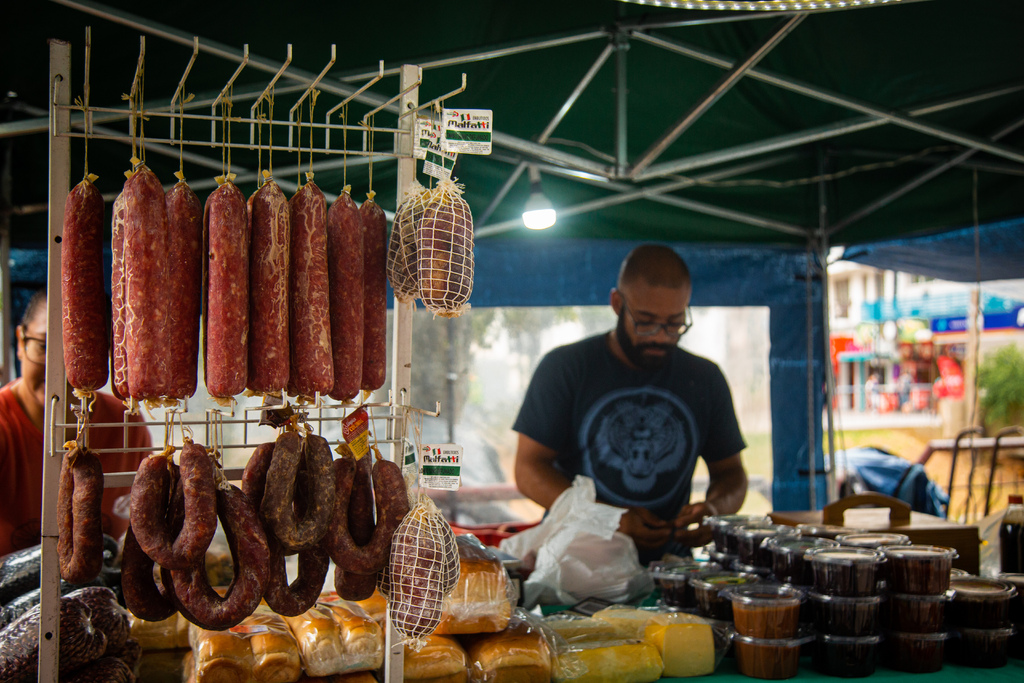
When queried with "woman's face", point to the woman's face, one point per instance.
{"points": [[32, 354]]}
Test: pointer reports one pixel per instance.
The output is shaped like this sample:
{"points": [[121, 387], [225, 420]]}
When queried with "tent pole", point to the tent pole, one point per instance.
{"points": [[831, 490], [812, 448]]}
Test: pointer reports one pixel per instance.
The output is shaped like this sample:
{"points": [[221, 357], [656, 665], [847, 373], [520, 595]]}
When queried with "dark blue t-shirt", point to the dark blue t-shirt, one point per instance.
{"points": [[636, 433]]}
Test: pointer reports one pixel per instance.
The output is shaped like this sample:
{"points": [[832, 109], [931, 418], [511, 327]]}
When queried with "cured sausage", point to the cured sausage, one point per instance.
{"points": [[444, 252], [345, 272], [249, 552], [119, 309], [83, 306], [149, 508], [277, 507], [79, 516], [401, 269], [354, 586], [226, 241], [142, 595], [184, 284], [270, 221], [254, 476], [361, 522], [392, 506], [312, 360], [147, 297], [375, 294]]}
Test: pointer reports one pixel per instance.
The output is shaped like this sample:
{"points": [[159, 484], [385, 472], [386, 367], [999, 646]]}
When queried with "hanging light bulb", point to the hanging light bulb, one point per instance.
{"points": [[539, 212]]}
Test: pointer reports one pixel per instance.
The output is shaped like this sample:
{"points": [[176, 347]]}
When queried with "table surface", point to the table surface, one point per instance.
{"points": [[727, 672]]}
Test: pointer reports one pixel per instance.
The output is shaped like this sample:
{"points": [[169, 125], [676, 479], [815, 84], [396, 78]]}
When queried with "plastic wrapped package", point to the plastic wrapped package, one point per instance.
{"points": [[689, 645], [519, 653], [440, 659], [376, 606], [578, 629], [337, 637], [221, 656], [169, 634], [354, 677], [614, 661], [484, 596], [260, 649]]}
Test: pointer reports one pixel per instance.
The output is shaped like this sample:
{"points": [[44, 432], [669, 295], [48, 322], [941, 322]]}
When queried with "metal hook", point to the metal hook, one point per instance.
{"points": [[291, 112], [181, 84], [327, 120], [413, 86], [436, 100], [136, 80], [224, 91], [87, 115], [273, 81]]}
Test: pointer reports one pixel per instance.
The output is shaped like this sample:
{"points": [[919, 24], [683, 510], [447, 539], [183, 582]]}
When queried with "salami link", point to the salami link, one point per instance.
{"points": [[119, 309], [79, 516], [147, 297], [149, 508], [142, 595], [83, 317], [277, 507], [270, 221], [345, 271], [392, 506], [375, 295], [354, 586], [361, 521], [226, 238], [254, 477], [185, 284], [249, 552], [312, 360]]}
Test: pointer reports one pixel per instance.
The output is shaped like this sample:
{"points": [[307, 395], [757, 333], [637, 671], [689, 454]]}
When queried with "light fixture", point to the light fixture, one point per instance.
{"points": [[539, 212], [763, 5]]}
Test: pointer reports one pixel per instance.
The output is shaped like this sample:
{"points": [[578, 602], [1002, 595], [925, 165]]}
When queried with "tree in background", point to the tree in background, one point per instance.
{"points": [[1001, 384]]}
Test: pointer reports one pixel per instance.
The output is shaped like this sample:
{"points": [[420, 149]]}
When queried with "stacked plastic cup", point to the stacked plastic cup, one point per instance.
{"points": [[979, 612]]}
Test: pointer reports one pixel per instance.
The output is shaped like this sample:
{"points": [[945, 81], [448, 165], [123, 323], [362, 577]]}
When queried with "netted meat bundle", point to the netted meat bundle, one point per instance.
{"points": [[422, 572], [444, 252], [402, 265]]}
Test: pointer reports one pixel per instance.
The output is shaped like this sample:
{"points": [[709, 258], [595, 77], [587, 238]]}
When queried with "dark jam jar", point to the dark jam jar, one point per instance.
{"points": [[673, 581], [829, 531], [839, 616], [850, 572], [765, 610], [981, 647], [980, 603], [914, 652], [722, 526], [1017, 604], [750, 537], [919, 569], [787, 553], [917, 613], [708, 584], [846, 656]]}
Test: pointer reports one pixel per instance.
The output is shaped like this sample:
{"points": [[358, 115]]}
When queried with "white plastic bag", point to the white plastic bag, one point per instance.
{"points": [[579, 552]]}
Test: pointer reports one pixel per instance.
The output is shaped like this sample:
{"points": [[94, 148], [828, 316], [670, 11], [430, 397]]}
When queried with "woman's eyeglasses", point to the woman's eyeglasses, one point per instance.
{"points": [[35, 349]]}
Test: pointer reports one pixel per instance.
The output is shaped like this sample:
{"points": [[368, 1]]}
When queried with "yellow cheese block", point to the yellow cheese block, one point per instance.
{"points": [[685, 642], [630, 661], [628, 622]]}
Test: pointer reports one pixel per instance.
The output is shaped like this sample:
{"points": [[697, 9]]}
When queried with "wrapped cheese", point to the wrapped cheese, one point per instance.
{"points": [[617, 661], [686, 643], [483, 599]]}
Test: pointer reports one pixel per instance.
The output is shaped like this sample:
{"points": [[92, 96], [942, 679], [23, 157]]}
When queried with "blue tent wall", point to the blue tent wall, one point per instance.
{"points": [[549, 271]]}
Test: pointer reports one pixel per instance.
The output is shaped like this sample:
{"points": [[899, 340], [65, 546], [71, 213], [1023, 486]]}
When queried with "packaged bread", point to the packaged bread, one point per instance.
{"points": [[440, 660], [355, 677], [574, 628], [483, 598], [337, 637], [518, 654], [168, 634], [376, 606], [260, 649], [618, 661]]}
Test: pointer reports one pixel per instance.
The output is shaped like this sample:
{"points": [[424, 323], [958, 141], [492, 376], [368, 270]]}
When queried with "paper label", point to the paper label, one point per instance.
{"points": [[249, 628], [467, 131], [439, 164], [441, 466], [356, 430], [428, 136]]}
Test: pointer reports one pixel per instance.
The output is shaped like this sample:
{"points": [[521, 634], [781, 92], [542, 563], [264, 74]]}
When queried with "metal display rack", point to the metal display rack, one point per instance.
{"points": [[59, 418]]}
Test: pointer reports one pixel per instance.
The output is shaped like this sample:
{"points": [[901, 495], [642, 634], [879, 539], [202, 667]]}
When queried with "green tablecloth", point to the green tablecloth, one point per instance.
{"points": [[1014, 671]]}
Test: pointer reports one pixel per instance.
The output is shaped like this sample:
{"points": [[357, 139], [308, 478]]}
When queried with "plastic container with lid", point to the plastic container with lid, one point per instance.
{"points": [[749, 538], [850, 572], [846, 656], [1016, 605], [914, 652], [764, 610], [872, 539], [919, 569], [981, 647], [787, 553], [721, 528], [673, 581], [763, 572], [979, 603], [769, 658], [707, 587], [917, 613], [840, 616], [829, 531]]}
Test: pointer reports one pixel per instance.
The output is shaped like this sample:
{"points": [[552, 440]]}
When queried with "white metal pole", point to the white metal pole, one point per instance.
{"points": [[60, 173]]}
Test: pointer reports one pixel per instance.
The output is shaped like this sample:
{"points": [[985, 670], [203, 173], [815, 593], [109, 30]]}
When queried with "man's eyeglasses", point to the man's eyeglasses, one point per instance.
{"points": [[649, 329], [35, 349]]}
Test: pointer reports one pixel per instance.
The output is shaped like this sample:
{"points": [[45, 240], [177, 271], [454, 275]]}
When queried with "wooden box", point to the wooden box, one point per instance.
{"points": [[878, 512]]}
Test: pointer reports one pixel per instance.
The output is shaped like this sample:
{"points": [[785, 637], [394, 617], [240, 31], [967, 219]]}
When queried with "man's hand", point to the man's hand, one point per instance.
{"points": [[688, 514], [647, 529]]}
